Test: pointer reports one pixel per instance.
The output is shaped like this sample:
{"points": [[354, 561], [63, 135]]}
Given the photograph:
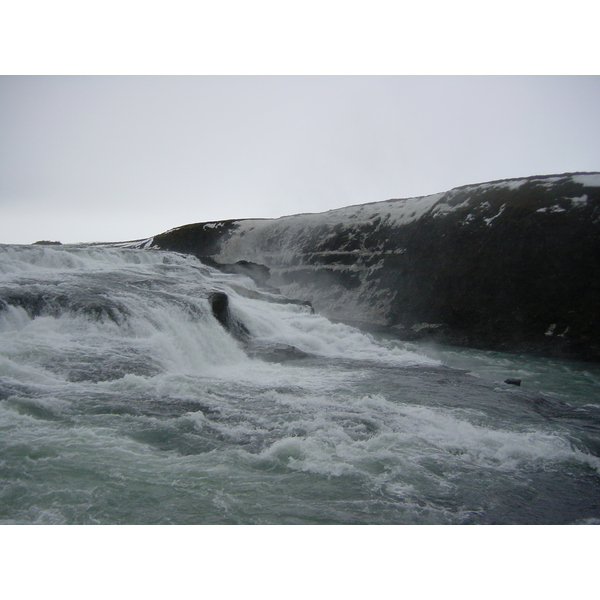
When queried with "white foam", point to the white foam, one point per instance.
{"points": [[163, 319], [406, 437], [295, 326]]}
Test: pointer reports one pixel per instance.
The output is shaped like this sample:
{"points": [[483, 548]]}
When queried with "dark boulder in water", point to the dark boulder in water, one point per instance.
{"points": [[512, 381], [46, 243], [509, 265], [219, 304]]}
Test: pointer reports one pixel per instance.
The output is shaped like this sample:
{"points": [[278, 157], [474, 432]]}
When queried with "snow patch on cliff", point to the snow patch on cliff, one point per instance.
{"points": [[551, 209], [587, 179], [488, 222], [579, 202], [514, 184]]}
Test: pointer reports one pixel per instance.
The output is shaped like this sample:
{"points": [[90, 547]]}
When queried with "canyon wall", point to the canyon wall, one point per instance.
{"points": [[508, 265]]}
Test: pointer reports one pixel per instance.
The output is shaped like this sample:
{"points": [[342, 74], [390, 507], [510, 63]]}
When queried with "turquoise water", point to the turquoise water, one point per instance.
{"points": [[572, 381]]}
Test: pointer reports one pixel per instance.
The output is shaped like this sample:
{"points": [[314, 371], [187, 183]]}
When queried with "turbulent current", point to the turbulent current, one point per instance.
{"points": [[125, 400]]}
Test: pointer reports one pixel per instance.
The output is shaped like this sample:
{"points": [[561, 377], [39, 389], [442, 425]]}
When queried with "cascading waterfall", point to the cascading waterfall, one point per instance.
{"points": [[125, 399]]}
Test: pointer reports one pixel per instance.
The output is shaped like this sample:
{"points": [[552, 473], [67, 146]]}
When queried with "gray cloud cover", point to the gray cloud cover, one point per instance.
{"points": [[117, 158]]}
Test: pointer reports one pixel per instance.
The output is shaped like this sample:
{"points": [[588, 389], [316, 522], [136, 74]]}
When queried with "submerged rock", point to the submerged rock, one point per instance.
{"points": [[274, 352], [509, 265], [92, 304]]}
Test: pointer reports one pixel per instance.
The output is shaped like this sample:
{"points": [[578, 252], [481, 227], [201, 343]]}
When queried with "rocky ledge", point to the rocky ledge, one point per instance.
{"points": [[509, 265]]}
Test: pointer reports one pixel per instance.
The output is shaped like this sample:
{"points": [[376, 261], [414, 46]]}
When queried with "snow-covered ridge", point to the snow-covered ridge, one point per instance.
{"points": [[254, 238], [587, 179], [406, 210], [389, 213]]}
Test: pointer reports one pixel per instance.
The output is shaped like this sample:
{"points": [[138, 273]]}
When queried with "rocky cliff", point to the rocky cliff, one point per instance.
{"points": [[511, 265]]}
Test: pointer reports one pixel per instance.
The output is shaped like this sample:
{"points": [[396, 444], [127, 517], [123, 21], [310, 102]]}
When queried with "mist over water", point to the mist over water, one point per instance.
{"points": [[124, 400]]}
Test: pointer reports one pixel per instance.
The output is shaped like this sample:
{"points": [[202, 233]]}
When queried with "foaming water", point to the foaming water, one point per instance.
{"points": [[123, 399], [315, 334]]}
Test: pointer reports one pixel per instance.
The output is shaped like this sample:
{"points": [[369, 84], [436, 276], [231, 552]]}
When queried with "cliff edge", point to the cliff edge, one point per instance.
{"points": [[509, 265]]}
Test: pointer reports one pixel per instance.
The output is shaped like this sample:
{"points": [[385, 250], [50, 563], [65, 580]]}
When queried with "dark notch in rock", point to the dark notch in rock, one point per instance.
{"points": [[258, 273], [306, 303]]}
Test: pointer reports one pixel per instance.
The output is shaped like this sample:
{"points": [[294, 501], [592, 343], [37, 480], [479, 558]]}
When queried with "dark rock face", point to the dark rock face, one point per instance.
{"points": [[219, 304], [511, 265]]}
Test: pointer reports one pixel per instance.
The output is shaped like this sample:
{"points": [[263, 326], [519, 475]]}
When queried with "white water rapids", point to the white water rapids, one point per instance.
{"points": [[124, 400]]}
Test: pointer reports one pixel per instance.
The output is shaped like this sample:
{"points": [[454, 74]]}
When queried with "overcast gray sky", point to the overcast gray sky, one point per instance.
{"points": [[117, 158]]}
